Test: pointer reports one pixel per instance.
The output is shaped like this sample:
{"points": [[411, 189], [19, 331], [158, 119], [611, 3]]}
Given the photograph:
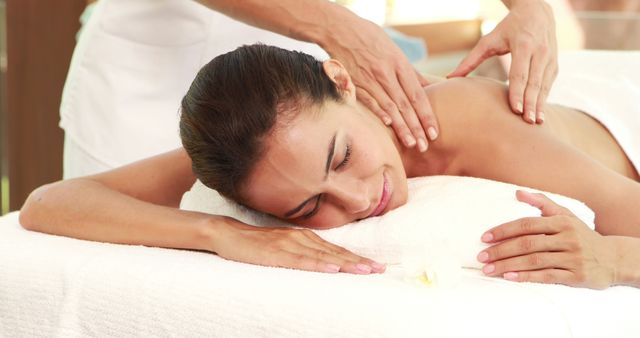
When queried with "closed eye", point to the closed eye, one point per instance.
{"points": [[315, 209], [347, 157]]}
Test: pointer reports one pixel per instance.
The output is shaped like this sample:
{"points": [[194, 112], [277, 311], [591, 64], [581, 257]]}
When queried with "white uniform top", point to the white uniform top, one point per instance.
{"points": [[133, 63]]}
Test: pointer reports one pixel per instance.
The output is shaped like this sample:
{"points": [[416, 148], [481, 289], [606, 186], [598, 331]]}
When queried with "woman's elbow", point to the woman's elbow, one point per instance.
{"points": [[33, 207]]}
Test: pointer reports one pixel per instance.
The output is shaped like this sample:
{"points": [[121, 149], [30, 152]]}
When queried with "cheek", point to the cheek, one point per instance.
{"points": [[329, 216]]}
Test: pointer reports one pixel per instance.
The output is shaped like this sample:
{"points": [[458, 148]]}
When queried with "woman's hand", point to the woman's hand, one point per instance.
{"points": [[285, 247], [386, 82], [555, 248], [528, 33]]}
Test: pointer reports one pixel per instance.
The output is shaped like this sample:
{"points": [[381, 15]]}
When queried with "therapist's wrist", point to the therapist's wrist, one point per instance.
{"points": [[334, 24], [515, 3]]}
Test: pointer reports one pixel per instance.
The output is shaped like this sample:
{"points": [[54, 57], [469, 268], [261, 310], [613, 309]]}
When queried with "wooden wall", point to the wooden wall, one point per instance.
{"points": [[40, 40]]}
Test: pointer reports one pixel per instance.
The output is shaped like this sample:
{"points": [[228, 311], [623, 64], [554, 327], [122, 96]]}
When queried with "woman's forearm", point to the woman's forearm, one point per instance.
{"points": [[86, 209]]}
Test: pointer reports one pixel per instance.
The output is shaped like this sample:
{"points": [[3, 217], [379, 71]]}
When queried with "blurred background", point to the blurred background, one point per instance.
{"points": [[37, 39]]}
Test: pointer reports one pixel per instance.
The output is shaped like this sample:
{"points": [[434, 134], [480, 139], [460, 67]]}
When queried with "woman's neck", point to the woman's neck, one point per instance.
{"points": [[434, 161]]}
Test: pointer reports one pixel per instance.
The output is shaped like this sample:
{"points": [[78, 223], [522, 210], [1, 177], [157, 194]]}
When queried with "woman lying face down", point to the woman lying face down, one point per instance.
{"points": [[282, 133]]}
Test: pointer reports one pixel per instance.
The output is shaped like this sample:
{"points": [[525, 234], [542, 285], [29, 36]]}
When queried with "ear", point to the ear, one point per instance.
{"points": [[339, 75]]}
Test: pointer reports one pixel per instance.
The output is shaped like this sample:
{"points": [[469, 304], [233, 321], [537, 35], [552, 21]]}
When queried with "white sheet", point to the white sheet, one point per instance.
{"points": [[53, 286]]}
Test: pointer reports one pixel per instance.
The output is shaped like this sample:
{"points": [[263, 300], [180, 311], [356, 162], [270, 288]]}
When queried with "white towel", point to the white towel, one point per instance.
{"points": [[438, 230], [606, 86]]}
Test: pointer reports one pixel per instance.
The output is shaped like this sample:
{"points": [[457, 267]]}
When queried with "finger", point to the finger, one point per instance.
{"points": [[408, 95], [397, 122], [534, 261], [423, 81], [480, 52], [420, 103], [546, 276], [550, 74], [534, 86], [521, 246], [522, 227], [542, 202], [518, 75], [304, 258], [370, 102], [320, 244]]}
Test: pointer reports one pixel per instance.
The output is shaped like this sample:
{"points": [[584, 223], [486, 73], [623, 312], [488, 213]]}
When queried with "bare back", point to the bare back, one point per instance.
{"points": [[570, 154]]}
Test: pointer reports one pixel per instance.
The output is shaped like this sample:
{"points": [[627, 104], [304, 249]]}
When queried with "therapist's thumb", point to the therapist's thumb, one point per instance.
{"points": [[476, 56]]}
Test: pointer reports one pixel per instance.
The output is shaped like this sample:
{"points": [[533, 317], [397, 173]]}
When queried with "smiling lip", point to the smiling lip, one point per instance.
{"points": [[384, 199]]}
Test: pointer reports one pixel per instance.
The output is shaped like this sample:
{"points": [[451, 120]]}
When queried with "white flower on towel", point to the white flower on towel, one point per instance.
{"points": [[435, 265]]}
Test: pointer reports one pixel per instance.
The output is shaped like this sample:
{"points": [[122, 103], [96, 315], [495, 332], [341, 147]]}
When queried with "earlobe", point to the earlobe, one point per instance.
{"points": [[339, 75]]}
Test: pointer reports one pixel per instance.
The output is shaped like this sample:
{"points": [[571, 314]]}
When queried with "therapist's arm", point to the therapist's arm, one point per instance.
{"points": [[387, 83], [138, 204]]}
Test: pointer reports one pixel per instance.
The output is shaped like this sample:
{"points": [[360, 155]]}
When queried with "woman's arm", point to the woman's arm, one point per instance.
{"points": [[137, 204], [558, 247], [134, 204]]}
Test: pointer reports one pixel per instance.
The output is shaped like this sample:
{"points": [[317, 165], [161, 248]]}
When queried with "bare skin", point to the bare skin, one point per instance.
{"points": [[570, 154]]}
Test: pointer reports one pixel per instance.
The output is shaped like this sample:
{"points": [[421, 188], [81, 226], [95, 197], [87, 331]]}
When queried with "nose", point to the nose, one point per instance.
{"points": [[352, 194]]}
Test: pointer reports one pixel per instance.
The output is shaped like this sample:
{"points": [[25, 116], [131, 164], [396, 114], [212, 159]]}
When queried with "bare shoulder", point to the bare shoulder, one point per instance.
{"points": [[473, 114], [489, 141]]}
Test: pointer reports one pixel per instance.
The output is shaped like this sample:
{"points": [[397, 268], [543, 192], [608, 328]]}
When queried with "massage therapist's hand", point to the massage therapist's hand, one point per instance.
{"points": [[386, 82], [286, 247], [555, 248], [528, 33]]}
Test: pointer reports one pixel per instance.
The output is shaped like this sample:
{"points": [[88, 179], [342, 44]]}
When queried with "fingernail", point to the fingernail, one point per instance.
{"points": [[363, 268], [519, 107], [378, 266], [532, 116], [422, 145], [541, 116], [487, 237], [410, 141], [433, 134], [483, 257], [489, 268], [331, 268], [387, 120], [510, 276]]}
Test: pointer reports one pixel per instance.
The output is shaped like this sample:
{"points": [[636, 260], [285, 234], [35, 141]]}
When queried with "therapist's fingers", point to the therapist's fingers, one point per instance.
{"points": [[534, 86], [423, 81], [426, 120], [374, 96], [484, 49], [372, 104], [519, 76], [550, 74], [406, 92]]}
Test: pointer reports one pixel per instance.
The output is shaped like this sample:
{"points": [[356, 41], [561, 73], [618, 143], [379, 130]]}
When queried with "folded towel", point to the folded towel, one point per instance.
{"points": [[436, 232]]}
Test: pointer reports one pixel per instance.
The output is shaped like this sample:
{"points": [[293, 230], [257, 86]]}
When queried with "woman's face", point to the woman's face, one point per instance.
{"points": [[327, 167]]}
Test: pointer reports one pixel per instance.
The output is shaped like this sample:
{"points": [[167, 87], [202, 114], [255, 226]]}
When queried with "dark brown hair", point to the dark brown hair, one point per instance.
{"points": [[233, 105]]}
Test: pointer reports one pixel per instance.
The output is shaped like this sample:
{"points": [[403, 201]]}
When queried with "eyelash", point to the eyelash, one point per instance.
{"points": [[347, 157], [314, 210]]}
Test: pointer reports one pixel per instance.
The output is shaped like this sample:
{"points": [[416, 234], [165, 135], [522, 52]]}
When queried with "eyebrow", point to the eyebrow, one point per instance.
{"points": [[331, 151]]}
